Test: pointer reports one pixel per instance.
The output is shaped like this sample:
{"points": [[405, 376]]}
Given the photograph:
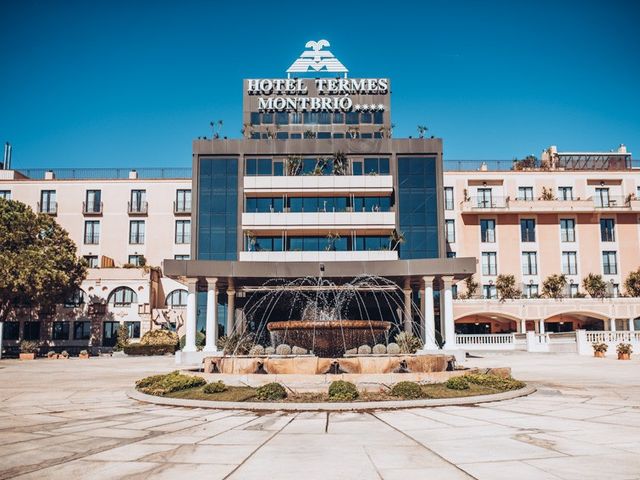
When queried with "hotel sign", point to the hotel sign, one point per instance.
{"points": [[329, 94]]}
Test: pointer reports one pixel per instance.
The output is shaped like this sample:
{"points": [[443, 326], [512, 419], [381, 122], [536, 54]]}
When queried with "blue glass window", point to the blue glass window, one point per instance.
{"points": [[255, 135], [296, 118], [282, 118], [267, 118], [311, 118], [366, 135], [324, 134], [282, 135], [378, 118], [338, 135], [366, 117], [296, 136], [324, 118], [353, 118], [338, 118], [255, 118]]}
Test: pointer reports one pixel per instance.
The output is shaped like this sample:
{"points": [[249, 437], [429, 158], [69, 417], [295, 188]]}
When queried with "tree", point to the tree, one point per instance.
{"points": [[506, 287], [554, 285], [595, 286], [39, 266], [122, 338], [395, 239], [340, 163], [471, 287], [632, 284]]}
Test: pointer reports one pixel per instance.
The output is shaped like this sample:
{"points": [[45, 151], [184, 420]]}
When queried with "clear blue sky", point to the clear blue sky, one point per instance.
{"points": [[131, 83]]}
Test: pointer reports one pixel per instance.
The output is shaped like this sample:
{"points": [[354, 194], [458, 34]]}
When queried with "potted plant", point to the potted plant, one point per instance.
{"points": [[28, 350], [599, 349], [51, 355], [83, 354], [624, 351], [64, 354]]}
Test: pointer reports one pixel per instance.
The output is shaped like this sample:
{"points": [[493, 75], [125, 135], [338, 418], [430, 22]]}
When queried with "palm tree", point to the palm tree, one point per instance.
{"points": [[395, 239], [422, 129]]}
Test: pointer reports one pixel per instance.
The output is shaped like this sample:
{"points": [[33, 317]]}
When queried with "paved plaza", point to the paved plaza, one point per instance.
{"points": [[72, 419]]}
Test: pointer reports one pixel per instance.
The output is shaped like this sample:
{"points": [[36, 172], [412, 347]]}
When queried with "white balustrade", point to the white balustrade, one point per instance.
{"points": [[486, 341]]}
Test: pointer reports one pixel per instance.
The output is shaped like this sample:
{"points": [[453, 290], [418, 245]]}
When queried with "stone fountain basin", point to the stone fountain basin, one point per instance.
{"points": [[329, 338], [312, 365]]}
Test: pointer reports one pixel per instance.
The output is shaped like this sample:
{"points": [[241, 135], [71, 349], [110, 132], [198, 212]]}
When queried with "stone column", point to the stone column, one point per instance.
{"points": [[408, 321], [632, 327], [447, 314], [211, 315], [231, 310], [541, 326], [190, 327], [523, 325], [612, 324], [429, 331]]}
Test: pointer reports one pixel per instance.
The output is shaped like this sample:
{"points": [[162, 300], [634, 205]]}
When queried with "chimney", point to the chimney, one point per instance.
{"points": [[622, 148], [6, 162], [133, 175], [49, 175]]}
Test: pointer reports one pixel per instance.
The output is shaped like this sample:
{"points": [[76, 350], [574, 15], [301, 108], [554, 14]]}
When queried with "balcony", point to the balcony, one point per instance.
{"points": [[91, 239], [92, 208], [50, 208], [370, 184], [138, 208], [314, 220], [513, 205], [181, 208], [484, 204], [323, 256], [136, 239]]}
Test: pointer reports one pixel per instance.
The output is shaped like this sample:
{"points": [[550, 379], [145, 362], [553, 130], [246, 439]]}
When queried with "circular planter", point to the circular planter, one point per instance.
{"points": [[27, 356], [624, 356], [599, 354]]}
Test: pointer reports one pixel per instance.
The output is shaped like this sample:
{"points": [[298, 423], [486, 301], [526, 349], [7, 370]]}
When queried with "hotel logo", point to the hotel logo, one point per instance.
{"points": [[315, 59]]}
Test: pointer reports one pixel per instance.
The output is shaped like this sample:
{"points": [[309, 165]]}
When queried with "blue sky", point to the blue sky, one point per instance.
{"points": [[122, 83]]}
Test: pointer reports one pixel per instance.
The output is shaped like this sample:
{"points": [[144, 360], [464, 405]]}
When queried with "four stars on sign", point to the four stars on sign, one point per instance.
{"points": [[373, 107]]}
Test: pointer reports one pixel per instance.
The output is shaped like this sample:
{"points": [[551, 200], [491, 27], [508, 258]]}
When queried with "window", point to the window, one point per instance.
{"points": [[607, 230], [489, 291], [6, 194], [255, 118], [450, 229], [133, 329], [91, 232], [92, 261], [567, 230], [123, 297], [488, 231], [573, 290], [489, 264], [357, 167], [531, 290], [338, 118], [324, 135], [181, 257], [267, 117], [366, 117], [529, 263], [183, 201], [602, 197], [82, 330], [528, 230], [48, 202], [93, 203], [484, 198], [282, 118], [137, 260], [60, 331], [11, 331], [183, 231], [378, 118], [296, 118], [76, 299], [525, 193], [609, 263], [136, 232], [177, 298], [448, 198], [110, 333], [569, 263], [263, 167], [371, 204], [566, 193], [282, 135], [352, 118], [264, 244], [31, 331], [376, 166], [138, 202]]}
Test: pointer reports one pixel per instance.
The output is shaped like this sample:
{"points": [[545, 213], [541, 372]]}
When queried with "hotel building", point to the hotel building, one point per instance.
{"points": [[317, 187]]}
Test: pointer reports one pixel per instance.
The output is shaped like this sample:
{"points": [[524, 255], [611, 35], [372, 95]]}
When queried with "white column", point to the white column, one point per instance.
{"points": [[447, 314], [631, 325], [190, 327], [541, 328], [407, 308], [523, 325], [427, 312], [612, 324], [212, 321], [231, 311]]}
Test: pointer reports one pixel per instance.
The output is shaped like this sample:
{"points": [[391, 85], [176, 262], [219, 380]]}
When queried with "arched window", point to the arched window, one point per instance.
{"points": [[75, 299], [177, 298], [123, 297]]}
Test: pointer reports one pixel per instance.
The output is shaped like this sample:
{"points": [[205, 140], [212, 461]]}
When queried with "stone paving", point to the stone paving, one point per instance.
{"points": [[71, 419]]}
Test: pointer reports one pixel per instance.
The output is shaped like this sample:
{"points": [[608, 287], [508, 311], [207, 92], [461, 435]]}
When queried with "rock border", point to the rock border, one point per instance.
{"points": [[329, 407]]}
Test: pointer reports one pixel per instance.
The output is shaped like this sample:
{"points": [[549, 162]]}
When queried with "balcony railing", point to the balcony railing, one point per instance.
{"points": [[92, 239], [92, 208], [610, 202], [137, 239], [181, 208], [481, 203], [183, 239], [50, 208], [138, 208]]}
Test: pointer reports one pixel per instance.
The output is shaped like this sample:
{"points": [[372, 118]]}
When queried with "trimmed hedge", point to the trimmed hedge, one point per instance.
{"points": [[410, 390], [215, 387], [169, 383], [494, 381], [158, 349], [457, 383], [341, 391], [271, 391]]}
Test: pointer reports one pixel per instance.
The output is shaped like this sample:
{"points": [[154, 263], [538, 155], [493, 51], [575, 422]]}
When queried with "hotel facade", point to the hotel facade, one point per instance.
{"points": [[318, 187]]}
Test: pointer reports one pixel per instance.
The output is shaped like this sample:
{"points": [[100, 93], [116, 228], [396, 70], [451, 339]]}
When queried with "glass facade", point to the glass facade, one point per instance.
{"points": [[418, 205], [217, 209]]}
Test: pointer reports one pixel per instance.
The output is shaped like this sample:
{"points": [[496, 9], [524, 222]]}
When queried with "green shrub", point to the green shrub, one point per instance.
{"points": [[271, 391], [29, 346], [493, 381], [341, 391], [457, 383], [200, 339], [407, 342], [168, 383], [215, 387], [160, 337], [151, 349], [409, 390], [122, 338]]}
